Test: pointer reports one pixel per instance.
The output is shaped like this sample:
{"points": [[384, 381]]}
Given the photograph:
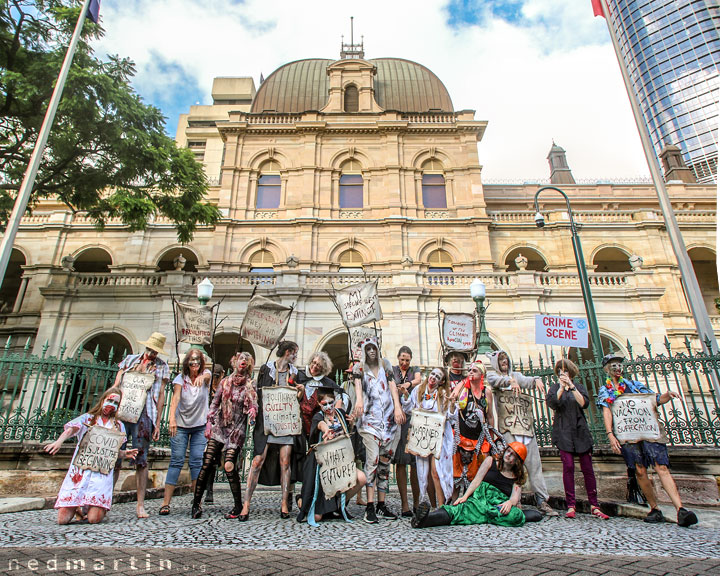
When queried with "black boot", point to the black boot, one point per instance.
{"points": [[426, 519], [234, 481]]}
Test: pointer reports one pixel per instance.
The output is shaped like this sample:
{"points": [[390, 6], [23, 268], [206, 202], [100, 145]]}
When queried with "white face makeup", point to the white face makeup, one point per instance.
{"points": [[327, 403], [435, 378], [110, 405], [292, 355]]}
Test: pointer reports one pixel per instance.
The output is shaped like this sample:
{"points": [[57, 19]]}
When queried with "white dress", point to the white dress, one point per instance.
{"points": [[85, 487], [443, 465]]}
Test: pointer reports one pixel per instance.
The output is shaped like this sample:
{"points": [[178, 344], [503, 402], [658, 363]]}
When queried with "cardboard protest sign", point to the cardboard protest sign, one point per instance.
{"points": [[193, 324], [98, 450], [336, 459], [561, 331], [635, 418], [360, 333], [281, 411], [358, 304], [458, 332], [426, 433], [515, 413], [265, 322], [135, 387]]}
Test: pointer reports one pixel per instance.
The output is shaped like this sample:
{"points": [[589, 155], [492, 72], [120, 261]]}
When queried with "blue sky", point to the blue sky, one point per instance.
{"points": [[536, 70]]}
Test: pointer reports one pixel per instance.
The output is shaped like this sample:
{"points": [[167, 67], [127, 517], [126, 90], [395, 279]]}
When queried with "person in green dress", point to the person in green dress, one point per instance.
{"points": [[493, 497]]}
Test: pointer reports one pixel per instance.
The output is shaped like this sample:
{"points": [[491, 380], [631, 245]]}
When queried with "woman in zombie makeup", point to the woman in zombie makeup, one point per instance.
{"points": [[235, 402], [434, 395], [85, 489], [330, 422]]}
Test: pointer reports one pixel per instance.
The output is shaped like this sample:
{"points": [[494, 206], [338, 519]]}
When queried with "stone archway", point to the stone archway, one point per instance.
{"points": [[226, 344], [337, 348], [12, 281]]}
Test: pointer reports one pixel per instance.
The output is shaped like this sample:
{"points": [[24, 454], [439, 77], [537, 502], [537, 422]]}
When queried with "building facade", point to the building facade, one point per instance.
{"points": [[336, 170], [672, 52]]}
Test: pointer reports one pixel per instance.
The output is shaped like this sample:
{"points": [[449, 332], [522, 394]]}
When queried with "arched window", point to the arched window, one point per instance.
{"points": [[535, 261], [440, 261], [611, 260], [351, 261], [433, 185], [261, 262], [224, 347], [352, 99], [351, 185], [703, 263], [12, 281], [173, 260], [268, 189], [94, 260], [586, 354]]}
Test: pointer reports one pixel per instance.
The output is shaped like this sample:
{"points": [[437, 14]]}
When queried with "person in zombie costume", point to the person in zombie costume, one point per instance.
{"points": [[406, 378], [85, 489], [277, 459], [571, 435], [474, 421], [455, 362], [435, 395], [235, 402], [329, 422], [186, 422], [643, 454], [493, 497], [502, 377], [217, 376], [313, 378], [379, 415], [148, 425]]}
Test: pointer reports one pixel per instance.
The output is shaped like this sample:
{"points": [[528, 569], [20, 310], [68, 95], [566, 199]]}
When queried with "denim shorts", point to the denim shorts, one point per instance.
{"points": [[645, 454], [138, 436]]}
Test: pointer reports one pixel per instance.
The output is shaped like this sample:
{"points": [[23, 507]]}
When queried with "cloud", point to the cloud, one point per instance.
{"points": [[534, 69]]}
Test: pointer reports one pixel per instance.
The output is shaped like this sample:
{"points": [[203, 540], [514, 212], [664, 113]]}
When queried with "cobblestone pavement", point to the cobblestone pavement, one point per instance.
{"points": [[584, 545]]}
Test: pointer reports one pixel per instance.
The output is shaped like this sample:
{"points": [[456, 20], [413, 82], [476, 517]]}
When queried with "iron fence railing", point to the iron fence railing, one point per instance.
{"points": [[40, 392]]}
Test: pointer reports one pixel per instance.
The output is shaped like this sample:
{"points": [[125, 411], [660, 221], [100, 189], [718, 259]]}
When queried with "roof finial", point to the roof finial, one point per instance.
{"points": [[352, 50]]}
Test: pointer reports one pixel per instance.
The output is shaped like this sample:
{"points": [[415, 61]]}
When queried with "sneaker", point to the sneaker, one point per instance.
{"points": [[407, 514], [421, 514], [655, 516], [370, 516], [386, 513], [546, 510], [686, 518]]}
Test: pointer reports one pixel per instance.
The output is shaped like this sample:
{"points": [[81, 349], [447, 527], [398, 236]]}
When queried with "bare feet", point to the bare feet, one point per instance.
{"points": [[141, 512]]}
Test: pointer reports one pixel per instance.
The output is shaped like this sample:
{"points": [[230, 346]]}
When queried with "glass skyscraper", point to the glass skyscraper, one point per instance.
{"points": [[672, 51]]}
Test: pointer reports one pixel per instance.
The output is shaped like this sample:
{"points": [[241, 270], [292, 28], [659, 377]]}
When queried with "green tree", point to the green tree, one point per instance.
{"points": [[108, 154]]}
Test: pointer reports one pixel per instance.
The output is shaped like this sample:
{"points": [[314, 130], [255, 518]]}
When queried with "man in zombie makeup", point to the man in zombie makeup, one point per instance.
{"points": [[379, 416], [455, 362], [643, 454], [148, 425], [502, 377]]}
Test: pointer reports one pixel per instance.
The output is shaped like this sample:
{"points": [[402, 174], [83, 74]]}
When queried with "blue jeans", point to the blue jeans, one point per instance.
{"points": [[178, 448]]}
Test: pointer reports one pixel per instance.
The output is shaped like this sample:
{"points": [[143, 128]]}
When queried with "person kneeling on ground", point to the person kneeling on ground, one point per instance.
{"points": [[644, 453], [493, 497]]}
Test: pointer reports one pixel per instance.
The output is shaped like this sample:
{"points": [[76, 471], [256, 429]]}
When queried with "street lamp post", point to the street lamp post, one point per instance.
{"points": [[204, 294], [477, 291], [582, 272]]}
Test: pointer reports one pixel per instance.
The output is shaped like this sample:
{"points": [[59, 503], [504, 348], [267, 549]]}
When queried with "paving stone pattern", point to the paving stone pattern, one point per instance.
{"points": [[267, 544]]}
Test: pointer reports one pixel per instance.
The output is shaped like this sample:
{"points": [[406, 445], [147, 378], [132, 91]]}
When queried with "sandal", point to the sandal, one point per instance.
{"points": [[164, 510], [595, 511], [570, 513]]}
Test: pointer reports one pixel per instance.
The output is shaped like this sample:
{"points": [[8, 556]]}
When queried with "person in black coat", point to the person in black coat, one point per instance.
{"points": [[571, 434], [327, 424]]}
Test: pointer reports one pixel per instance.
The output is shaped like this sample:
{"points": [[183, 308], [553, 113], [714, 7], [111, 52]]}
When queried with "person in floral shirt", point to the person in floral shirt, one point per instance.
{"points": [[644, 453]]}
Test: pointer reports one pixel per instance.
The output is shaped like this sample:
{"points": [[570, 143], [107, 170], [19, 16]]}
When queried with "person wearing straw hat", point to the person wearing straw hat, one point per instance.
{"points": [[148, 425]]}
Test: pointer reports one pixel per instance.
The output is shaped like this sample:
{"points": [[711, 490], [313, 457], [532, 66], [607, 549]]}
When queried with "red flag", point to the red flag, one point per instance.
{"points": [[597, 7]]}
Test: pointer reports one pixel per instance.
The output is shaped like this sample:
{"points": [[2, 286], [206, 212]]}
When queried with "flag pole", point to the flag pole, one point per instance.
{"points": [[692, 289], [23, 196]]}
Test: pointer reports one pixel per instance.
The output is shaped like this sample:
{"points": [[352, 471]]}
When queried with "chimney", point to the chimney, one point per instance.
{"points": [[674, 165]]}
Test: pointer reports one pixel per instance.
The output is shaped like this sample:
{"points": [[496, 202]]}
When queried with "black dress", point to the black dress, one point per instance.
{"points": [[570, 432], [322, 506]]}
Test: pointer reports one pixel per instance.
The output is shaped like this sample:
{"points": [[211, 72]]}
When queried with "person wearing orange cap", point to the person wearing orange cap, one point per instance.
{"points": [[493, 497]]}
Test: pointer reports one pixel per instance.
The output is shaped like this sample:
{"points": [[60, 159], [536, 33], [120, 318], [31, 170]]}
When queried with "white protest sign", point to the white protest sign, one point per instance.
{"points": [[515, 413], [265, 322], [458, 332], [358, 304], [336, 459], [360, 333], [193, 324], [561, 331], [135, 387], [635, 418], [281, 411], [425, 436], [98, 450]]}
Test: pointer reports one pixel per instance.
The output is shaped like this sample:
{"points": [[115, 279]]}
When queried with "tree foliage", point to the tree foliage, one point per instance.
{"points": [[108, 154]]}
